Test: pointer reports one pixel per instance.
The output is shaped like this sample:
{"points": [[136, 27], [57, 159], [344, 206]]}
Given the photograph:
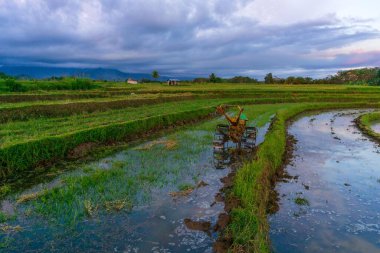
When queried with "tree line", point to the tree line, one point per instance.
{"points": [[370, 76], [215, 79], [363, 76]]}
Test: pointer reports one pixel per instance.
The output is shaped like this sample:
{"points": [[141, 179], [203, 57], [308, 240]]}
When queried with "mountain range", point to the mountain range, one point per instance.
{"points": [[28, 72]]}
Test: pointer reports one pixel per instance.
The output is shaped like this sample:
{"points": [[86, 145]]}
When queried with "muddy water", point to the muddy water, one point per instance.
{"points": [[376, 127], [330, 202], [156, 221]]}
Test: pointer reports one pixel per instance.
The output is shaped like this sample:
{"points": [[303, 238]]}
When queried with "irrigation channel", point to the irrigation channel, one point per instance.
{"points": [[329, 196], [162, 195]]}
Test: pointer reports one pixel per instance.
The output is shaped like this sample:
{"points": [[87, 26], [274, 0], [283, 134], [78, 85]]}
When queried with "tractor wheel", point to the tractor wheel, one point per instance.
{"points": [[249, 138], [220, 136]]}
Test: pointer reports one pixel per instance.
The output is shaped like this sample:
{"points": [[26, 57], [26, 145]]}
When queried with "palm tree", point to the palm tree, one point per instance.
{"points": [[155, 74]]}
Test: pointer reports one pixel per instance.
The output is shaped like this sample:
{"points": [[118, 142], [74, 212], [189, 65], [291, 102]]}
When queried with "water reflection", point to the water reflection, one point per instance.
{"points": [[376, 127], [337, 171]]}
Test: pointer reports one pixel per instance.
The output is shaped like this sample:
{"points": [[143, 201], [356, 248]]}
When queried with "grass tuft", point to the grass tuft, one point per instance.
{"points": [[301, 201]]}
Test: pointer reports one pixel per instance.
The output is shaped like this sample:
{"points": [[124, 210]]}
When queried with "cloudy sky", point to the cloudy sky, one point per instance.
{"points": [[193, 37]]}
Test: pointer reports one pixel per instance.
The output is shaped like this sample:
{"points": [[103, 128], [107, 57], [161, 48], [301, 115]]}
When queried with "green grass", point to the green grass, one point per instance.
{"points": [[42, 102], [24, 144], [65, 84], [19, 132], [112, 96], [39, 87], [66, 205], [3, 217], [21, 156], [185, 186], [48, 109], [15, 112], [125, 180], [4, 190]]}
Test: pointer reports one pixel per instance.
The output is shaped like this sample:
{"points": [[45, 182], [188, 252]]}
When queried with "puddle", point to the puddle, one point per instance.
{"points": [[330, 201], [162, 196]]}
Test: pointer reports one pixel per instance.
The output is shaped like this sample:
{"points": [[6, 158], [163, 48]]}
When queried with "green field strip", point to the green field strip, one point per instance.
{"points": [[25, 111], [23, 156]]}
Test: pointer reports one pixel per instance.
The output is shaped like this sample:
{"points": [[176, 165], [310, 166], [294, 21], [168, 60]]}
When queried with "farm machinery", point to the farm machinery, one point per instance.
{"points": [[235, 135]]}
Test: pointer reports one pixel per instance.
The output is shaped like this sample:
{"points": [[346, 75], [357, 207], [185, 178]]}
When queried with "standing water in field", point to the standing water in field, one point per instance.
{"points": [[329, 200], [160, 196], [376, 127]]}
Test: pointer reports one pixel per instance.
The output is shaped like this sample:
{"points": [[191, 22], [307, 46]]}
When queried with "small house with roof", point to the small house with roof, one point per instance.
{"points": [[131, 81], [173, 82]]}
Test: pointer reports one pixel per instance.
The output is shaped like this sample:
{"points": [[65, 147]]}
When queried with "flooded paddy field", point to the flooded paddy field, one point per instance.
{"points": [[329, 198], [163, 195], [376, 127]]}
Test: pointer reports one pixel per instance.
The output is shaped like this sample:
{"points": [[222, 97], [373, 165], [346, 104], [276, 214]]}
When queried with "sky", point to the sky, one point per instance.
{"points": [[193, 37]]}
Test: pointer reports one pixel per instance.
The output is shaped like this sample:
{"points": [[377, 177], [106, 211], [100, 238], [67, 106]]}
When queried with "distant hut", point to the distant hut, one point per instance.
{"points": [[173, 82], [131, 81]]}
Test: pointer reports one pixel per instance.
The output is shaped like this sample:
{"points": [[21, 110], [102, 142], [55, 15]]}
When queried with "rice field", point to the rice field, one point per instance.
{"points": [[59, 152]]}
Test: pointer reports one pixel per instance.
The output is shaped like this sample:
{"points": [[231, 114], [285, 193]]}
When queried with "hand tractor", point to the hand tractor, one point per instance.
{"points": [[234, 135]]}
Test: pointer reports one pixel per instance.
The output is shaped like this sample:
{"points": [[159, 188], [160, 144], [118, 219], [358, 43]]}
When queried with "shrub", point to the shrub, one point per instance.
{"points": [[82, 84], [4, 76], [376, 80], [4, 190], [13, 86]]}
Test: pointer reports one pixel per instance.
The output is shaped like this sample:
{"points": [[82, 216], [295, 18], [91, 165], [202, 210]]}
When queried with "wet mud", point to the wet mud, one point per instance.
{"points": [[328, 193], [197, 225]]}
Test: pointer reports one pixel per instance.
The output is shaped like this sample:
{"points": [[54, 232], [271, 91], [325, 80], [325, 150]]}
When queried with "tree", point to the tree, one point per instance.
{"points": [[242, 79], [155, 74], [212, 78], [13, 86], [290, 80], [309, 80], [268, 78], [376, 80], [82, 84], [200, 80], [4, 76]]}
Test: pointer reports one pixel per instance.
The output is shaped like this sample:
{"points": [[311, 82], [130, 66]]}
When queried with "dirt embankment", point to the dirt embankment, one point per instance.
{"points": [[363, 123], [281, 175], [224, 242]]}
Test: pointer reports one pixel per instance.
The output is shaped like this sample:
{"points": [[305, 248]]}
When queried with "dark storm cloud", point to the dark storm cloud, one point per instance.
{"points": [[184, 37]]}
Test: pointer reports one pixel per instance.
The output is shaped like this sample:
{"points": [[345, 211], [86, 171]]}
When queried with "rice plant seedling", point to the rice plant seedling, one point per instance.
{"points": [[301, 201]]}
